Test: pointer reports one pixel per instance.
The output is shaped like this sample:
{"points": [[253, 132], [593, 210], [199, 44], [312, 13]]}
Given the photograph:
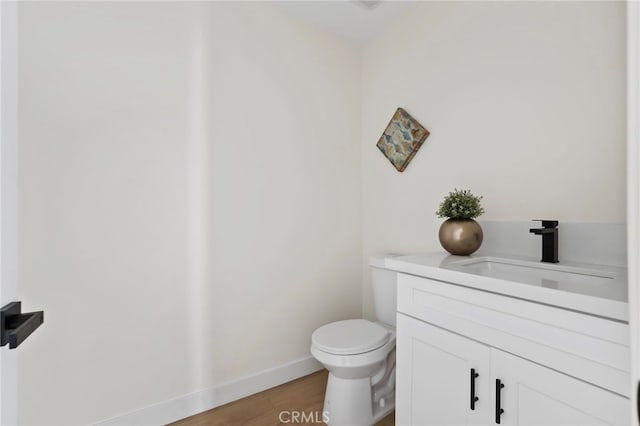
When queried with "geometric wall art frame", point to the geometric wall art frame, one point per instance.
{"points": [[402, 138]]}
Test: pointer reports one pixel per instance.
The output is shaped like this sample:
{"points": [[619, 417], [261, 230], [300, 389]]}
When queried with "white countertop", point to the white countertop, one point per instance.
{"points": [[606, 299]]}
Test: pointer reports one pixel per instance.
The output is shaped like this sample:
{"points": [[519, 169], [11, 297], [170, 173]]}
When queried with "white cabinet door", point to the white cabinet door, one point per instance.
{"points": [[434, 377], [536, 395]]}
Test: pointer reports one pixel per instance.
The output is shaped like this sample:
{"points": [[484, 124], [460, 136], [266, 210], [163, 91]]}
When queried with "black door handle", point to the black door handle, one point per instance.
{"points": [[16, 326], [474, 398], [499, 410]]}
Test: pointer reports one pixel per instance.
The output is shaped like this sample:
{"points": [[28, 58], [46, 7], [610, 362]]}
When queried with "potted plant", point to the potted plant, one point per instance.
{"points": [[460, 234]]}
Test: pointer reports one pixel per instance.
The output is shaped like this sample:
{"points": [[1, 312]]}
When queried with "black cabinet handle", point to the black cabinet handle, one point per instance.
{"points": [[499, 410], [16, 326], [474, 398]]}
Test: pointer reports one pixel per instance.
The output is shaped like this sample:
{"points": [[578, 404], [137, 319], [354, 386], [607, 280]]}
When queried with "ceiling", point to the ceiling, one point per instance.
{"points": [[359, 21]]}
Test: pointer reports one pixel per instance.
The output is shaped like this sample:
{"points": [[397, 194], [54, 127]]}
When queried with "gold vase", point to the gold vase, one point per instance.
{"points": [[460, 236]]}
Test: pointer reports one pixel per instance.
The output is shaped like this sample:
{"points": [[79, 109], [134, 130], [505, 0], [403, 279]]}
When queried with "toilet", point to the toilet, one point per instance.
{"points": [[361, 357]]}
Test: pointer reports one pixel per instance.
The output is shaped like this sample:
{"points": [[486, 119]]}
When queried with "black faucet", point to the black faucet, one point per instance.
{"points": [[549, 232]]}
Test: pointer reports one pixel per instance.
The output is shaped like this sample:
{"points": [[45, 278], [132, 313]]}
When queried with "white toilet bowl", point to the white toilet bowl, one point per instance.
{"points": [[360, 357]]}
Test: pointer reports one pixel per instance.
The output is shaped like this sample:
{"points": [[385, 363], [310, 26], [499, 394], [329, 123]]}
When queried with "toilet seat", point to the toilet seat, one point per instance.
{"points": [[350, 337]]}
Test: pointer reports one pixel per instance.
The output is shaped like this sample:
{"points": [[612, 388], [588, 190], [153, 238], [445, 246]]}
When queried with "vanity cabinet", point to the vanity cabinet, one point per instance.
{"points": [[441, 378], [463, 355], [536, 395]]}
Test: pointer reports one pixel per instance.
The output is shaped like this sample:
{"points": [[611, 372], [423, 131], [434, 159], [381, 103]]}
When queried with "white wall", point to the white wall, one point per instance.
{"points": [[8, 198], [189, 198], [284, 191], [525, 102]]}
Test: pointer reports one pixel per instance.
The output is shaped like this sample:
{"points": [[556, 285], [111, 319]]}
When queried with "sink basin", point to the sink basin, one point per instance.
{"points": [[573, 279]]}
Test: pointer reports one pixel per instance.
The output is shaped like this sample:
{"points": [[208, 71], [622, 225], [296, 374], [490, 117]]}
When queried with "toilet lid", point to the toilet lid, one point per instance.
{"points": [[350, 337]]}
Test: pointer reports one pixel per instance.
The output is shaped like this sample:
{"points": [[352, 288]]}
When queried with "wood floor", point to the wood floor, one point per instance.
{"points": [[263, 409]]}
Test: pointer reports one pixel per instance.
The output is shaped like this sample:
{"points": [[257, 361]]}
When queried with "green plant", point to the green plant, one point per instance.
{"points": [[460, 204]]}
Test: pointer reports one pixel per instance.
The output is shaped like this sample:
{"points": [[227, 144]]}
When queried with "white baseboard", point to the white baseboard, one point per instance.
{"points": [[197, 402]]}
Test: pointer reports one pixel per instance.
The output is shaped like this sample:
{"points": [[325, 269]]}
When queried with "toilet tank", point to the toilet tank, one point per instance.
{"points": [[384, 285]]}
